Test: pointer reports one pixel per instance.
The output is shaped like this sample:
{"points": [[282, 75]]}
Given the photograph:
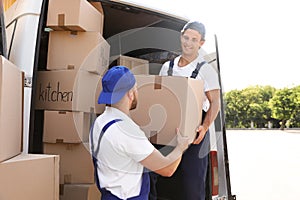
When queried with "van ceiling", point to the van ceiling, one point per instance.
{"points": [[120, 17]]}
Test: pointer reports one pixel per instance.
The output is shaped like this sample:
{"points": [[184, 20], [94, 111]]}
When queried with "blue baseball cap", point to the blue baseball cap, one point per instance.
{"points": [[115, 83]]}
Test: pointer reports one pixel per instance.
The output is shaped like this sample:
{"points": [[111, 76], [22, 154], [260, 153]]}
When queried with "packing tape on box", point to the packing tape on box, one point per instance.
{"points": [[74, 32], [61, 19], [67, 178], [70, 147], [157, 82], [71, 67], [59, 140], [61, 22]]}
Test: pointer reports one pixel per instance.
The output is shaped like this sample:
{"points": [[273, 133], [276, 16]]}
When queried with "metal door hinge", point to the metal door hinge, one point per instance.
{"points": [[28, 81]]}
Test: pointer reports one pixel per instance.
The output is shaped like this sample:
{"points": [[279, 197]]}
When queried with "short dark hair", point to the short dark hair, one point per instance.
{"points": [[197, 26]]}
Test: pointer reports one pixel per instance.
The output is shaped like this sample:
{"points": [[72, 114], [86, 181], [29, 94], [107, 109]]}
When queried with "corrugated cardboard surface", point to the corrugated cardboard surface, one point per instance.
{"points": [[136, 65], [11, 108], [99, 108], [76, 164], [30, 177], [79, 192], [98, 6], [66, 90], [66, 127], [82, 50], [74, 15], [166, 103]]}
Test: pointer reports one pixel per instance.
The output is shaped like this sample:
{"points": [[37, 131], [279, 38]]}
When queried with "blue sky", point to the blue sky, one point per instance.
{"points": [[258, 40]]}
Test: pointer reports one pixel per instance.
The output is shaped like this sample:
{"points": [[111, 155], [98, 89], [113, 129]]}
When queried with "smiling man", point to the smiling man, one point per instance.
{"points": [[193, 167]]}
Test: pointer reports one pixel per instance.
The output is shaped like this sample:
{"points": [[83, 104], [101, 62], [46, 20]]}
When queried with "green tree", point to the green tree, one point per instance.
{"points": [[257, 100], [283, 105], [295, 120], [234, 109], [248, 105]]}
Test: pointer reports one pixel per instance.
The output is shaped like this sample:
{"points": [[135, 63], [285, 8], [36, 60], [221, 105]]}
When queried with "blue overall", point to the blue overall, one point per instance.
{"points": [[105, 194], [194, 168], [189, 180]]}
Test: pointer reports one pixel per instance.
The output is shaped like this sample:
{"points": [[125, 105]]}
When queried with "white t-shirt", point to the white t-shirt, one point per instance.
{"points": [[206, 73], [122, 147]]}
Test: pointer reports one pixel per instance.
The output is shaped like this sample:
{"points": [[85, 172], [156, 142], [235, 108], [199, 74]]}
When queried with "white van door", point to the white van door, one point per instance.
{"points": [[22, 18]]}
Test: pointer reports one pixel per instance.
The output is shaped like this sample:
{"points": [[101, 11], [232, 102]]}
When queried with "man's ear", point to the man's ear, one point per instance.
{"points": [[201, 42], [130, 95]]}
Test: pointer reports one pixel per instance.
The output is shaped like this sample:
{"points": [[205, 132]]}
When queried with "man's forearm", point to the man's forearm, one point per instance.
{"points": [[214, 98]]}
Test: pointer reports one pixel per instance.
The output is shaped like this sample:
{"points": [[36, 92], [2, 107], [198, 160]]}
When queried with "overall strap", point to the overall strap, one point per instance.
{"points": [[145, 188], [103, 131], [170, 70], [198, 67], [95, 152], [194, 73], [101, 135]]}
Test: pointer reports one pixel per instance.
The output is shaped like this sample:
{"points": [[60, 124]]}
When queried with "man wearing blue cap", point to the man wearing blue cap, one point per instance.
{"points": [[193, 167], [120, 148]]}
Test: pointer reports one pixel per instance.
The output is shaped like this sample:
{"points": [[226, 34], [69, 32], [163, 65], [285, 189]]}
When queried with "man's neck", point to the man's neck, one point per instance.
{"points": [[122, 108], [186, 59]]}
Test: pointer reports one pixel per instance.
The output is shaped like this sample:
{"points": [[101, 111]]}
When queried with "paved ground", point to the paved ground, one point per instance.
{"points": [[264, 164]]}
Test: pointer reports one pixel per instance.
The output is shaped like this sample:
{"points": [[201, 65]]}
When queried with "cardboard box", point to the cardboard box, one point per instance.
{"points": [[30, 176], [83, 50], [66, 127], [79, 192], [74, 15], [99, 7], [136, 65], [66, 90], [76, 165], [166, 103], [11, 109], [99, 108]]}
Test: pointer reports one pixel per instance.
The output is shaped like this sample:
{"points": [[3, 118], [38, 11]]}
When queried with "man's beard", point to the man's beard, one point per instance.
{"points": [[134, 102]]}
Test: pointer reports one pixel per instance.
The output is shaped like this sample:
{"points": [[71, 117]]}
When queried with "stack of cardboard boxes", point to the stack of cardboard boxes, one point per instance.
{"points": [[33, 176], [68, 90]]}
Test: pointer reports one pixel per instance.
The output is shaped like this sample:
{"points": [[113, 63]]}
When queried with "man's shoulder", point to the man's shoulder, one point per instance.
{"points": [[129, 128], [166, 63]]}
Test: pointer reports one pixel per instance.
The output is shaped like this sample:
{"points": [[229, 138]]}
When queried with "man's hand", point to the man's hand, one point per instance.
{"points": [[201, 133], [182, 142]]}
